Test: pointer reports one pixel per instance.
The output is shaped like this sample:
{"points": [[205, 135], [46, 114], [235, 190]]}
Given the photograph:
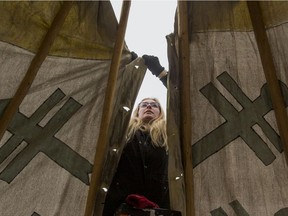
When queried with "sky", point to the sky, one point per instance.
{"points": [[148, 25]]}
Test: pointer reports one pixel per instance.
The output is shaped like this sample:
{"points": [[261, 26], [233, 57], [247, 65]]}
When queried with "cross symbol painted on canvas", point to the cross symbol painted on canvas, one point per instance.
{"points": [[238, 123], [42, 139]]}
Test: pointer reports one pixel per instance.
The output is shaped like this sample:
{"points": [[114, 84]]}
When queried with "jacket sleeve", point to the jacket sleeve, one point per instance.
{"points": [[164, 80]]}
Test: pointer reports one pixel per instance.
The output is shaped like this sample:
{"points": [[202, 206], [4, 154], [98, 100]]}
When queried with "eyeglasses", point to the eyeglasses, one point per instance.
{"points": [[152, 104]]}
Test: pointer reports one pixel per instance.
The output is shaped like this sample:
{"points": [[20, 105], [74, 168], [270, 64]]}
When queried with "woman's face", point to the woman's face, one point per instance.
{"points": [[148, 110]]}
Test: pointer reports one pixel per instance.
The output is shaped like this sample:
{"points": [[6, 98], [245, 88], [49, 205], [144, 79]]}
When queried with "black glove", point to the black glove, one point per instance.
{"points": [[153, 64], [133, 56]]}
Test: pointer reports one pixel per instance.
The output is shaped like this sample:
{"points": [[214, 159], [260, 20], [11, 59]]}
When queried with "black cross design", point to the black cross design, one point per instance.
{"points": [[42, 139], [238, 124], [240, 210], [237, 207]]}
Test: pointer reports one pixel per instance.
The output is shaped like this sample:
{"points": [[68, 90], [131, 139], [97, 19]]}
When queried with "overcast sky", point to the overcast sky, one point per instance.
{"points": [[148, 24]]}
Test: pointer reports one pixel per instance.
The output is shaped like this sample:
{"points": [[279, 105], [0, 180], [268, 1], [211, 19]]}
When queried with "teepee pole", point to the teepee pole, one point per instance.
{"points": [[270, 72], [185, 106], [34, 67], [107, 111]]}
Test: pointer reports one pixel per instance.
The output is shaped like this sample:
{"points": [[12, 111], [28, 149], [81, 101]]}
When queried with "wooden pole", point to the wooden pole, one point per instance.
{"points": [[270, 72], [185, 105], [107, 111], [36, 63]]}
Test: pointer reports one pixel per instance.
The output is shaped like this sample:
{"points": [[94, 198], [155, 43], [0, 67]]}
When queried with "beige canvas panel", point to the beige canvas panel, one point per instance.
{"points": [[228, 15], [50, 143], [229, 129], [241, 169], [89, 30], [239, 165], [175, 166]]}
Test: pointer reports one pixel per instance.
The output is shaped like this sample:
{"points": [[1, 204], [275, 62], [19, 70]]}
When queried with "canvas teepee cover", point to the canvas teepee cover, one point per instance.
{"points": [[47, 152], [239, 165]]}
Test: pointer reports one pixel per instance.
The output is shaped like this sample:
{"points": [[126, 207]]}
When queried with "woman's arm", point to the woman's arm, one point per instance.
{"points": [[153, 64]]}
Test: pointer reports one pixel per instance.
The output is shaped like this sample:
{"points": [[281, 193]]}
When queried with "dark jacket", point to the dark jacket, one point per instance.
{"points": [[143, 170]]}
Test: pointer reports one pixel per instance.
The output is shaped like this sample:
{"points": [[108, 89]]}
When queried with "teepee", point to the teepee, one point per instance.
{"points": [[68, 86]]}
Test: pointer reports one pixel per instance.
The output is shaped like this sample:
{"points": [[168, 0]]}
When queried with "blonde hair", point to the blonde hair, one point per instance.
{"points": [[156, 128]]}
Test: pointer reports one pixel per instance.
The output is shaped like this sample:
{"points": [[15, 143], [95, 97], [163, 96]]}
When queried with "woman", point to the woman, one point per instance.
{"points": [[143, 166]]}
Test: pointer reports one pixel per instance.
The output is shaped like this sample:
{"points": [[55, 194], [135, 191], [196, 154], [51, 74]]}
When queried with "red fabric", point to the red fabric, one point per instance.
{"points": [[140, 202]]}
